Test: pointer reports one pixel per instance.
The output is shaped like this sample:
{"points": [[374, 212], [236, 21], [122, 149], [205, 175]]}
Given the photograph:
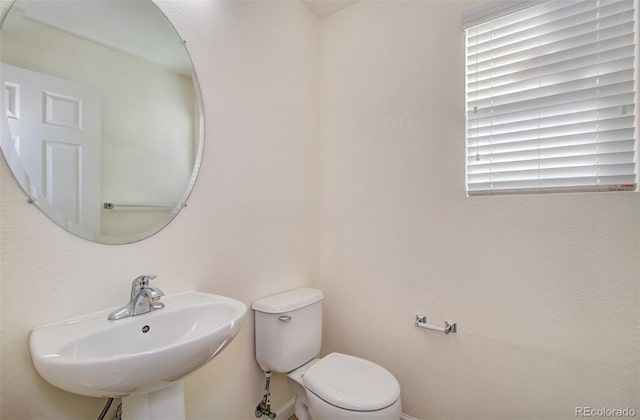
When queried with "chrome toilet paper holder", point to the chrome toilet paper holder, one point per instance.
{"points": [[449, 326]]}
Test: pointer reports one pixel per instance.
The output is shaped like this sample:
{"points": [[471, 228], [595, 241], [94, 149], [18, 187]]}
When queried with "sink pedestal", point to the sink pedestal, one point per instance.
{"points": [[167, 403]]}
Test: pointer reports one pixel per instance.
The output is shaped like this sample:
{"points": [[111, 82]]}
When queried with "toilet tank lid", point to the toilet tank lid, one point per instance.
{"points": [[288, 301]]}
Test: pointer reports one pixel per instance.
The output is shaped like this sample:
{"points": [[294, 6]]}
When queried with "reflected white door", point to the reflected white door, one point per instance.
{"points": [[55, 133]]}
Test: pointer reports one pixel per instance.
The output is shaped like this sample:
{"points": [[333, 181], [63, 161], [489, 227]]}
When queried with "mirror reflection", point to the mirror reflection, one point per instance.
{"points": [[103, 122]]}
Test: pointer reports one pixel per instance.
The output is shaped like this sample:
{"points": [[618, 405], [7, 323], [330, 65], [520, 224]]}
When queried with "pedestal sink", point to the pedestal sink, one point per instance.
{"points": [[141, 358]]}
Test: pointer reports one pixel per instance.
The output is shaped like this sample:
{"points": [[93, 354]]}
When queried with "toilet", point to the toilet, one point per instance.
{"points": [[288, 332]]}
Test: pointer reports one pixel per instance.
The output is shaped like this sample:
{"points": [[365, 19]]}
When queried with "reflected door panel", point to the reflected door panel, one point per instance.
{"points": [[55, 127]]}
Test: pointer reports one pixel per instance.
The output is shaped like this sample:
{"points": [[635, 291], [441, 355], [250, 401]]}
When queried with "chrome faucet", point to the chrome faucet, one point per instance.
{"points": [[143, 299]]}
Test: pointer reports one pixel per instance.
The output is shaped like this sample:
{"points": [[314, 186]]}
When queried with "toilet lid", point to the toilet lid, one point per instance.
{"points": [[352, 383]]}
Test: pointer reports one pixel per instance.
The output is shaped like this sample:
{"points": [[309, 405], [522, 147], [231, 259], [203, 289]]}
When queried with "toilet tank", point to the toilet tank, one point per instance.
{"points": [[288, 329]]}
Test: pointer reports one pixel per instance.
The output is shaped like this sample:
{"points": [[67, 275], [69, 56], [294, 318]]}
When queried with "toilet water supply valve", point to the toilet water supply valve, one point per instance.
{"points": [[264, 408]]}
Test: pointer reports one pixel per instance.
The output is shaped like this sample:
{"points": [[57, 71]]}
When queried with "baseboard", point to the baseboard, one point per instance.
{"points": [[286, 411]]}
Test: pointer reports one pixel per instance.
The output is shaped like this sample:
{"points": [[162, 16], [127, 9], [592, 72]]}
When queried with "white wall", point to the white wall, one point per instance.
{"points": [[251, 227], [544, 288]]}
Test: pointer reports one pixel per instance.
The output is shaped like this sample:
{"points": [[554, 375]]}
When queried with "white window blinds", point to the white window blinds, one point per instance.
{"points": [[550, 99]]}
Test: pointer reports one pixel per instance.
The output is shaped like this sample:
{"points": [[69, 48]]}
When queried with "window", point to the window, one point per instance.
{"points": [[550, 98]]}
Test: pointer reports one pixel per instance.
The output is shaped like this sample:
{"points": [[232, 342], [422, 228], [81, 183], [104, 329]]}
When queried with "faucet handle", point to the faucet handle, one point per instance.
{"points": [[140, 283], [143, 280]]}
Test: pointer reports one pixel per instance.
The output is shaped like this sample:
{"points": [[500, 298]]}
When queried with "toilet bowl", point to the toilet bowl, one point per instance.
{"points": [[288, 332], [340, 386]]}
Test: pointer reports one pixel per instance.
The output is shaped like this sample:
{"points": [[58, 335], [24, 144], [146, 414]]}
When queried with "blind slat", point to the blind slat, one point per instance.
{"points": [[485, 128], [592, 161], [610, 148], [560, 29], [540, 77], [559, 141], [592, 93], [604, 83], [598, 52], [624, 101], [588, 184], [593, 127]]}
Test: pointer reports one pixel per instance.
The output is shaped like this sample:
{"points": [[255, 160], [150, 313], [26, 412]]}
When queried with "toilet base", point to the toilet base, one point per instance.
{"points": [[294, 378]]}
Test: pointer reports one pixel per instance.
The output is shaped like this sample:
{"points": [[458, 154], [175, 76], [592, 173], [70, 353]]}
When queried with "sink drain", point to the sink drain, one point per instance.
{"points": [[146, 329]]}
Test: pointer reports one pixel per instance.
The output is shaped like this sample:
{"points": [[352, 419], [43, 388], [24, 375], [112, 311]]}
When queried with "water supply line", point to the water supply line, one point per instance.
{"points": [[264, 408], [105, 409]]}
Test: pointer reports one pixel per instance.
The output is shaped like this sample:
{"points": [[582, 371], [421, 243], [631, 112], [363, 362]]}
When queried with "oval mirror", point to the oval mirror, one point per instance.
{"points": [[102, 122]]}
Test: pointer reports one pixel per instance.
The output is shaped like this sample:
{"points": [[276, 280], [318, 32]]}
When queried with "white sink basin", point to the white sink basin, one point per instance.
{"points": [[90, 355]]}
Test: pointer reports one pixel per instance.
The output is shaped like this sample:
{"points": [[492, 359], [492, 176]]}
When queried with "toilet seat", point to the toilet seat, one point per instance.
{"points": [[352, 383]]}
